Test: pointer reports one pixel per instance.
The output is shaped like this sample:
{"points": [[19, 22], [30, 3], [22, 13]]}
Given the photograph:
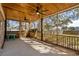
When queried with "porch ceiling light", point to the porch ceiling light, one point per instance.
{"points": [[37, 13]]}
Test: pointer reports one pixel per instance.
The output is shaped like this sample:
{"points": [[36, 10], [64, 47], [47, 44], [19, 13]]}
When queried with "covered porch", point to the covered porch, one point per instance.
{"points": [[38, 29]]}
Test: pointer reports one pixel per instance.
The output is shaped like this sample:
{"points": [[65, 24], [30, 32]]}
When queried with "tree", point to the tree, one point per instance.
{"points": [[71, 28], [59, 23]]}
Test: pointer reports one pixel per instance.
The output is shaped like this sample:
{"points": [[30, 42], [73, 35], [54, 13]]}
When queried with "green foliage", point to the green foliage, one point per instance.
{"points": [[48, 26]]}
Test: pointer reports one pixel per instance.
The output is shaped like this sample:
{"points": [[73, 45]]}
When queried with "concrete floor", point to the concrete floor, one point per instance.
{"points": [[29, 47]]}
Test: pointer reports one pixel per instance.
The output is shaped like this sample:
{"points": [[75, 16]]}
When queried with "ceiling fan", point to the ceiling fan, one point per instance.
{"points": [[38, 9], [25, 19]]}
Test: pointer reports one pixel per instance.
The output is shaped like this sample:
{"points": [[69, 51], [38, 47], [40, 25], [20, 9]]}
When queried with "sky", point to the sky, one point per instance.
{"points": [[74, 24], [13, 23]]}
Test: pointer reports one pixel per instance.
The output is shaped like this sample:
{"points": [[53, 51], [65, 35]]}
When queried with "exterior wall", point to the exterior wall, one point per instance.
{"points": [[1, 32], [1, 27]]}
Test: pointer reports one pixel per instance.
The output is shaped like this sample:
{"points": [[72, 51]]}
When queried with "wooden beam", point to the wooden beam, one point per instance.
{"points": [[14, 6], [2, 11], [13, 9], [64, 10]]}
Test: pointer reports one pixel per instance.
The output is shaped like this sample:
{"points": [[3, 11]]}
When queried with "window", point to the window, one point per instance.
{"points": [[12, 25]]}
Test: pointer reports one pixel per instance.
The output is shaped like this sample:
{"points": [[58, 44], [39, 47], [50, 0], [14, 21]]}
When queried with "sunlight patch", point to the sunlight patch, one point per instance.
{"points": [[41, 48]]}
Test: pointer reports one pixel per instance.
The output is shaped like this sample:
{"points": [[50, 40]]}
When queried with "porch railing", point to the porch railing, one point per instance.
{"points": [[68, 41]]}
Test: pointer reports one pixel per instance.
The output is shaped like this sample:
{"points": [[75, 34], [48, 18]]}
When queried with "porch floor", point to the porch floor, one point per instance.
{"points": [[30, 47]]}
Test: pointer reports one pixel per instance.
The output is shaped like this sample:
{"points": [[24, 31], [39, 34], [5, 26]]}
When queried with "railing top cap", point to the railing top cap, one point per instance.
{"points": [[69, 35]]}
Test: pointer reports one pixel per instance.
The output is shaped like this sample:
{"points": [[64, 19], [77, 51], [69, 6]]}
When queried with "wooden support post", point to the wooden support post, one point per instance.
{"points": [[25, 26], [57, 30], [41, 29], [5, 27], [29, 29], [20, 29]]}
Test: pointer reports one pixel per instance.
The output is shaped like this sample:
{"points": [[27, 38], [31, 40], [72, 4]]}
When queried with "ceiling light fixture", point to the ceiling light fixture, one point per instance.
{"points": [[37, 13]]}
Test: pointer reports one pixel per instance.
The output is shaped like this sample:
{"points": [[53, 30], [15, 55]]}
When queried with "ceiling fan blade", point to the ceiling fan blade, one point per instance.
{"points": [[35, 10], [42, 13], [34, 7], [44, 10], [38, 7]]}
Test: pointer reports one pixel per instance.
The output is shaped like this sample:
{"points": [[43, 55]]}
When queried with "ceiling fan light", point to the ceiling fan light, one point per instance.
{"points": [[37, 13]]}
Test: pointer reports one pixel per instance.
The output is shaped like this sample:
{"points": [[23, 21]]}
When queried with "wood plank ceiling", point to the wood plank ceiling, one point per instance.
{"points": [[19, 11]]}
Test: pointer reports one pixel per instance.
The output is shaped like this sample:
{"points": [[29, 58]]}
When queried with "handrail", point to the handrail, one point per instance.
{"points": [[69, 35]]}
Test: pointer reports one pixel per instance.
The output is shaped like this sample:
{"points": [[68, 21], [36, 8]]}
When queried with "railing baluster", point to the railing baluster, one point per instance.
{"points": [[59, 39], [65, 41], [73, 43], [68, 42], [77, 43], [62, 40]]}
